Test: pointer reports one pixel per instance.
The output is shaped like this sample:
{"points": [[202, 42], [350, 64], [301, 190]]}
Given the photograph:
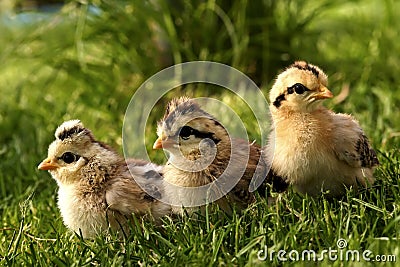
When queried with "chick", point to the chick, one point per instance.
{"points": [[205, 164], [315, 149], [96, 187]]}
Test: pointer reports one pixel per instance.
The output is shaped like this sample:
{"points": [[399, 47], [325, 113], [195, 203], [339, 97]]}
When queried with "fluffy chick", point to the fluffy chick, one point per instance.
{"points": [[314, 148], [201, 153], [96, 187]]}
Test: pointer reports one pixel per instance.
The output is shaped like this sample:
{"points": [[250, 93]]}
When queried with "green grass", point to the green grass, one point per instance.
{"points": [[81, 63]]}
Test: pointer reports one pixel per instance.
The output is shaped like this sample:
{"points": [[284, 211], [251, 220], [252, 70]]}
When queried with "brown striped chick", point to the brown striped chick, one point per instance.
{"points": [[96, 188], [200, 154], [314, 148]]}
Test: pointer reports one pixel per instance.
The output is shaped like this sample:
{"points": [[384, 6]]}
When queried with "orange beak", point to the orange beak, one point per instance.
{"points": [[323, 93], [160, 143], [47, 164]]}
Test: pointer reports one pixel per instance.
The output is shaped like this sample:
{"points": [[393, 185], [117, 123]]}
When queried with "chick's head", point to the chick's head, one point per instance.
{"points": [[187, 128], [299, 88], [73, 148]]}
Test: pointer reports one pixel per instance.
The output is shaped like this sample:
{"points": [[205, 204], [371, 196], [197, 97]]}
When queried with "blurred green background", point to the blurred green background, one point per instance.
{"points": [[85, 59]]}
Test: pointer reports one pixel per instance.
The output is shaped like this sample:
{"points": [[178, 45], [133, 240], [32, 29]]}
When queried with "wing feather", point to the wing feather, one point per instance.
{"points": [[128, 194], [351, 145]]}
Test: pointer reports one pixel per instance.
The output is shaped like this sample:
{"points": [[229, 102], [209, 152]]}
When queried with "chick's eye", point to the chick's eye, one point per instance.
{"points": [[185, 132], [69, 157], [299, 88]]}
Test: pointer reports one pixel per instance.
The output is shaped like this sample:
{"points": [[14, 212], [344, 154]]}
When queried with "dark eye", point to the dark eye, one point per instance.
{"points": [[69, 157], [185, 132], [299, 88]]}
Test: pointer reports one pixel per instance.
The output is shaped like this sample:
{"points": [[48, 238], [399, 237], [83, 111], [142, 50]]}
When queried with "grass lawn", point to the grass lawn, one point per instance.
{"points": [[86, 61]]}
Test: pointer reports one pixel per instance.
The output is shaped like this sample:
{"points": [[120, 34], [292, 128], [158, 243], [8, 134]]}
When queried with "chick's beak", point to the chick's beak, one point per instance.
{"points": [[163, 143], [158, 143], [48, 164], [323, 93]]}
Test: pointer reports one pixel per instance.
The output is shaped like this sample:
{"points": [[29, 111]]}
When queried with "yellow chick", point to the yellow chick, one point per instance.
{"points": [[96, 188], [315, 149]]}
